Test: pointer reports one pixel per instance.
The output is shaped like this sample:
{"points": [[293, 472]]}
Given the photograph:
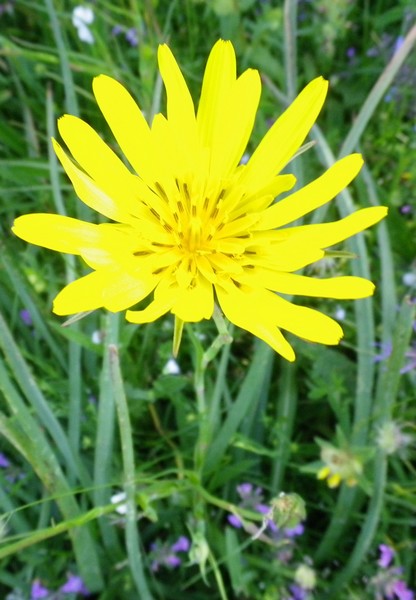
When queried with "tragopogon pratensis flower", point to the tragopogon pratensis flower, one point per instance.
{"points": [[192, 226]]}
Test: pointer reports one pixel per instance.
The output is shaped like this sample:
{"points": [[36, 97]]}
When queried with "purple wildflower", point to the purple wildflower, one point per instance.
{"points": [[298, 593], [117, 29], [398, 44], [164, 555], [386, 349], [26, 317], [235, 521], [386, 556], [172, 561], [132, 37], [38, 590], [245, 489], [251, 499], [351, 52], [181, 545], [401, 591], [74, 585], [295, 531], [4, 461]]}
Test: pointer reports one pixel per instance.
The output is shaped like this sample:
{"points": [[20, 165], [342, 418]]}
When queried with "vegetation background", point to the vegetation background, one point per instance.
{"points": [[91, 409]]}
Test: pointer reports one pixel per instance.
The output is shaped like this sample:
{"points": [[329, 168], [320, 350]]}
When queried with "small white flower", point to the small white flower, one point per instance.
{"points": [[119, 497], [340, 313], [97, 337], [171, 368], [82, 16], [409, 279]]}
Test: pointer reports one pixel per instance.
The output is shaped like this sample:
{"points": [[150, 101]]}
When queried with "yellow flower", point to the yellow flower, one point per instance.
{"points": [[340, 465], [191, 225]]}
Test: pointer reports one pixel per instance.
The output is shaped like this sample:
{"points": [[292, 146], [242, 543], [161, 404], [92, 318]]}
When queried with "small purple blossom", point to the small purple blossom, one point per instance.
{"points": [[165, 555], [298, 593], [117, 29], [351, 52], [4, 461], [398, 44], [235, 521], [295, 531], [401, 591], [181, 545], [251, 499], [74, 585], [172, 561], [386, 556], [245, 489], [132, 37], [386, 349], [26, 317], [38, 590]]}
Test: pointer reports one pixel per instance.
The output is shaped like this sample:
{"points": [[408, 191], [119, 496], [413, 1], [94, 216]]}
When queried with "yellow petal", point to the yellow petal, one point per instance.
{"points": [[288, 255], [241, 309], [57, 232], [123, 291], [323, 473], [265, 196], [234, 124], [288, 283], [334, 481], [285, 137], [180, 107], [219, 76], [313, 195], [81, 295], [328, 234], [128, 125], [175, 158], [271, 309], [154, 311], [89, 150], [89, 192], [196, 302], [306, 323]]}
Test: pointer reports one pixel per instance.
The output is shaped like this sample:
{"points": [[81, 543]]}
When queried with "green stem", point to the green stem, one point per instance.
{"points": [[202, 360], [104, 439], [127, 451], [290, 54]]}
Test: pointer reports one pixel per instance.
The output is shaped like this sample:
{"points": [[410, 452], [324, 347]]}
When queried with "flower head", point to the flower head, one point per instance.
{"points": [[74, 585], [386, 555], [166, 554], [339, 465], [391, 438], [191, 225], [38, 590], [82, 17], [4, 461]]}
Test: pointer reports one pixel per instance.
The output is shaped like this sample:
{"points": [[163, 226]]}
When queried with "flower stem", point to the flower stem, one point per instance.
{"points": [[202, 360], [132, 537]]}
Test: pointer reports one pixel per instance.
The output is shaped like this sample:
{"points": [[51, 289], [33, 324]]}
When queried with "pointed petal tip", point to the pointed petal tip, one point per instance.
{"points": [[101, 82]]}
